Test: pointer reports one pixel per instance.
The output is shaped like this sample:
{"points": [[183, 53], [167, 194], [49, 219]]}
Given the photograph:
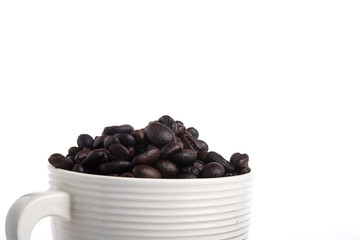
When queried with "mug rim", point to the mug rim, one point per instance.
{"points": [[159, 180]]}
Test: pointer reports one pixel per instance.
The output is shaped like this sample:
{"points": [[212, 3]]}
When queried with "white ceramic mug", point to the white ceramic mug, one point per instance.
{"points": [[93, 207]]}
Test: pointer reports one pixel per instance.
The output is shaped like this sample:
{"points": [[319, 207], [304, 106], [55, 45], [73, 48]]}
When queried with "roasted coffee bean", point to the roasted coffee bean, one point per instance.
{"points": [[166, 168], [141, 148], [78, 167], [228, 174], [60, 161], [159, 134], [215, 157], [181, 129], [197, 143], [169, 122], [190, 169], [124, 152], [126, 139], [118, 151], [94, 158], [193, 131], [186, 175], [146, 158], [71, 158], [111, 130], [139, 136], [99, 142], [145, 171], [131, 153], [199, 164], [169, 149], [187, 143], [184, 158], [82, 154], [239, 160], [178, 140], [110, 140], [150, 146], [118, 166], [127, 174], [85, 141], [202, 155], [73, 151], [245, 170], [212, 170]]}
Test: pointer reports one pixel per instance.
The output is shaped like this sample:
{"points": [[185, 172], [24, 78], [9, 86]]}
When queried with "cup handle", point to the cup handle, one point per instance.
{"points": [[27, 210]]}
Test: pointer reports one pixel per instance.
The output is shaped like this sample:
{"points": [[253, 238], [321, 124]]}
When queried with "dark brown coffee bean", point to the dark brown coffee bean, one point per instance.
{"points": [[166, 168], [186, 175], [150, 146], [239, 160], [118, 151], [178, 140], [110, 140], [71, 158], [118, 166], [145, 171], [181, 129], [139, 136], [60, 161], [193, 132], [82, 154], [85, 141], [111, 130], [212, 170], [199, 164], [78, 167], [228, 174], [215, 157], [169, 149], [126, 139], [187, 143], [184, 158], [127, 174], [202, 155], [131, 153], [141, 148], [94, 158], [123, 151], [73, 151], [99, 142], [197, 143], [159, 134], [146, 158], [169, 122], [245, 170], [190, 169]]}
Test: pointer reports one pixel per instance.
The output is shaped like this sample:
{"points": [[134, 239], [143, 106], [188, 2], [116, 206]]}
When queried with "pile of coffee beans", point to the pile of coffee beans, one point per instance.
{"points": [[163, 149]]}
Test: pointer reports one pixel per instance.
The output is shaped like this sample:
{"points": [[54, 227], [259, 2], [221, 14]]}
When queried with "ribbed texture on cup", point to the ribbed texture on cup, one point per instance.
{"points": [[132, 208]]}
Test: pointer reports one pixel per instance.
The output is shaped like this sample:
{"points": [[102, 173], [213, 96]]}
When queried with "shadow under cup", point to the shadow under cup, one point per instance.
{"points": [[103, 207]]}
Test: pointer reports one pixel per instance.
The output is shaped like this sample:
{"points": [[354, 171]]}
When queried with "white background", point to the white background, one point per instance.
{"points": [[275, 79]]}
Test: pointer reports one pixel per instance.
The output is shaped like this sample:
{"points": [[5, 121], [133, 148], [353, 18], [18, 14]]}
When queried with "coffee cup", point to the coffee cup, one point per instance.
{"points": [[94, 207]]}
